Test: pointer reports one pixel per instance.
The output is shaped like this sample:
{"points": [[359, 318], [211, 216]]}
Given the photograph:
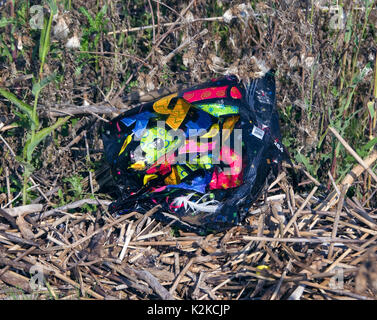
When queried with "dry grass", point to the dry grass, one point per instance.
{"points": [[316, 242]]}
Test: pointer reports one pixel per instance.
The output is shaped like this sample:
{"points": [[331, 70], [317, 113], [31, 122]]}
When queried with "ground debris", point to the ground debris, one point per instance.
{"points": [[274, 259]]}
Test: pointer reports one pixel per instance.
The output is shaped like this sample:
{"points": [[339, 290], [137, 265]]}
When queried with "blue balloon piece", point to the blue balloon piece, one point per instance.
{"points": [[141, 120], [198, 184]]}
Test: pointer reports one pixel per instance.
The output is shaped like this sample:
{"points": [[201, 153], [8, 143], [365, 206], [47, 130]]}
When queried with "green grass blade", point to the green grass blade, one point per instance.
{"points": [[53, 6], [5, 21], [38, 86], [24, 107], [45, 41], [366, 148], [306, 162], [42, 39], [44, 45], [34, 141]]}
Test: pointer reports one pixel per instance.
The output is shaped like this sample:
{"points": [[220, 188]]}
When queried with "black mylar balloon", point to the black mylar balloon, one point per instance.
{"points": [[204, 153]]}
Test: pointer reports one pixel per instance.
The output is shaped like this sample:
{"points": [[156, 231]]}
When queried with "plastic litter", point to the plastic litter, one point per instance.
{"points": [[204, 153]]}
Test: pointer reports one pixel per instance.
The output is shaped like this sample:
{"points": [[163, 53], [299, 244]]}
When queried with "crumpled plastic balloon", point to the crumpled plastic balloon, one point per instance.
{"points": [[204, 153]]}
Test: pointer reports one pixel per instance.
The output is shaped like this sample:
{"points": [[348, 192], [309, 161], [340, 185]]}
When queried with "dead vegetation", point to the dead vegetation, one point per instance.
{"points": [[316, 242]]}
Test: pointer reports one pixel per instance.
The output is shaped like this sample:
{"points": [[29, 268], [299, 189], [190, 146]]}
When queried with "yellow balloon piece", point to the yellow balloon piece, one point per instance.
{"points": [[139, 165], [177, 114], [213, 131], [125, 144], [149, 177], [228, 126], [173, 178]]}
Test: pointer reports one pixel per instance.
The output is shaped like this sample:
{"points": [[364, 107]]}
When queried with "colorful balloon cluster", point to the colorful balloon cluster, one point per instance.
{"points": [[204, 153]]}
